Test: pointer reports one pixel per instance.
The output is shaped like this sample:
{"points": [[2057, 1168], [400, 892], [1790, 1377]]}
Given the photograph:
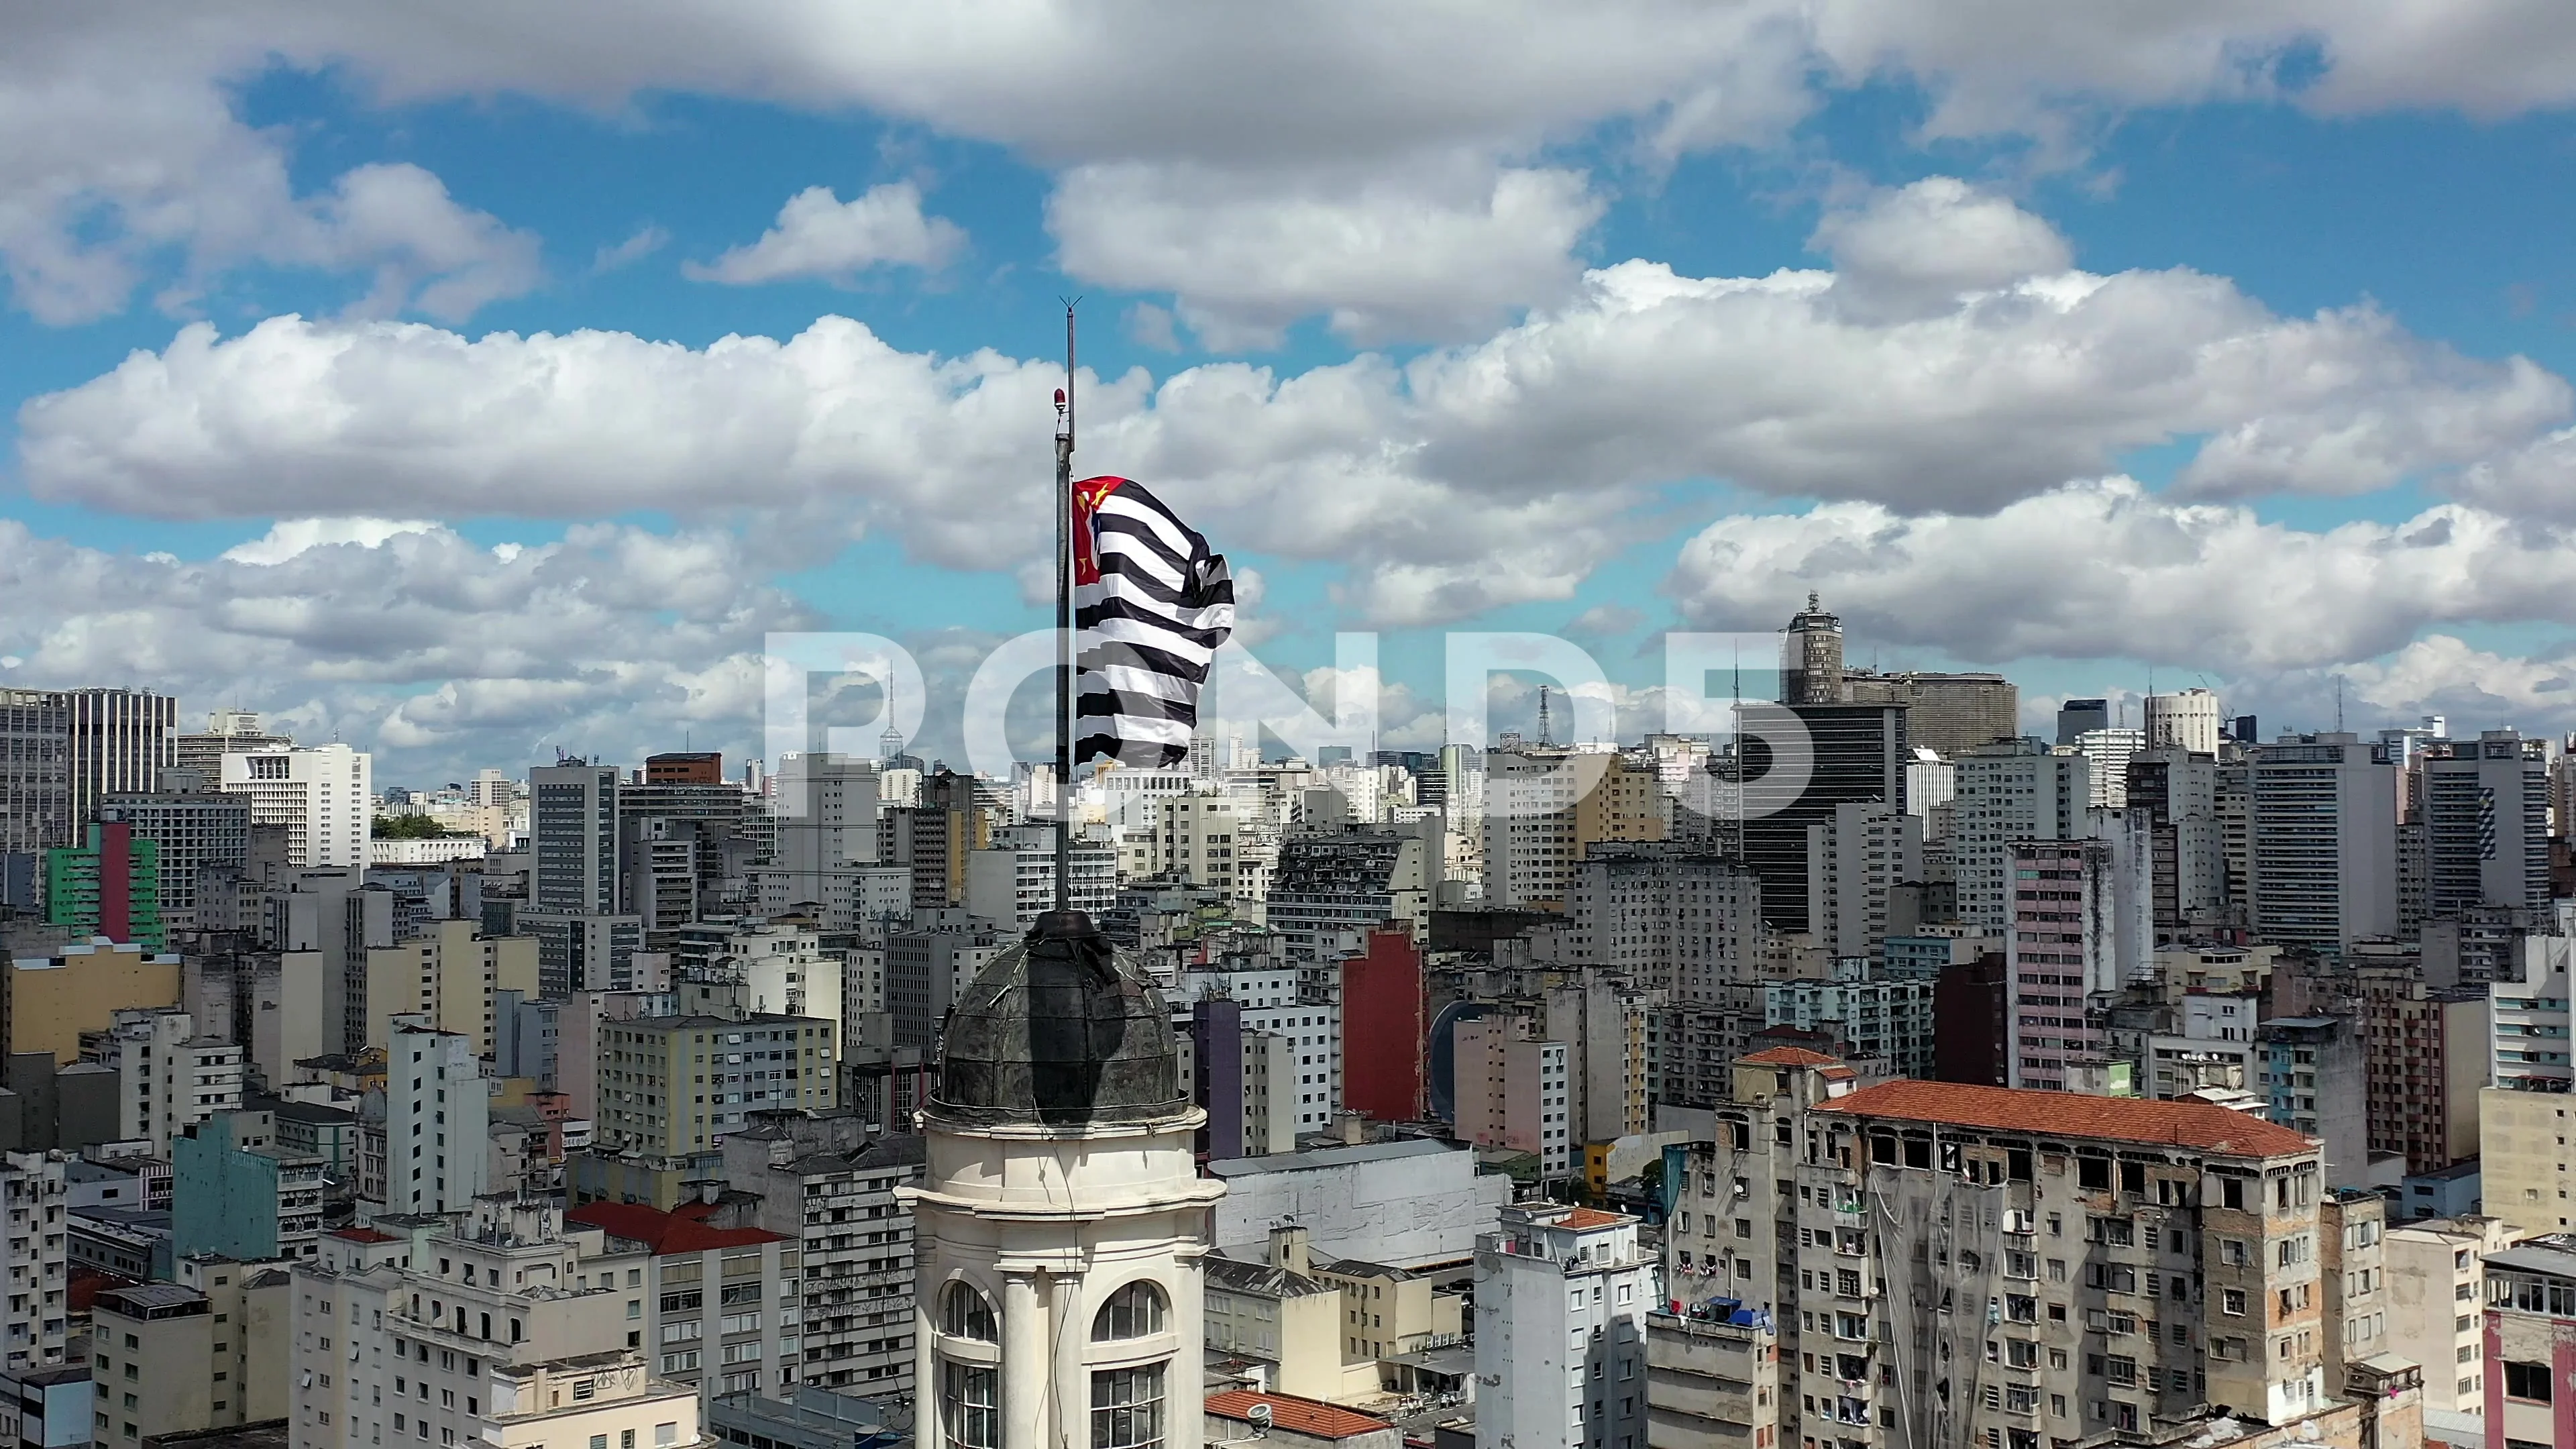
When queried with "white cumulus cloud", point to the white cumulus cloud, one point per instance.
{"points": [[819, 235]]}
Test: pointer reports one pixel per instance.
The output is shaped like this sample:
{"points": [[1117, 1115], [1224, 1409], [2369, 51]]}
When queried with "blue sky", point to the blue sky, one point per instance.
{"points": [[1418, 358]]}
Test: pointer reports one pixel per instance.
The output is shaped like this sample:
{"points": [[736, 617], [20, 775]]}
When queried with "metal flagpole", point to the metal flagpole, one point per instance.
{"points": [[1064, 627]]}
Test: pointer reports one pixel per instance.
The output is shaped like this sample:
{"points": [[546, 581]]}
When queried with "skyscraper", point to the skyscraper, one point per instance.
{"points": [[35, 770], [2322, 841], [572, 825], [122, 739], [1855, 754], [2009, 791], [2076, 716], [2486, 804]]}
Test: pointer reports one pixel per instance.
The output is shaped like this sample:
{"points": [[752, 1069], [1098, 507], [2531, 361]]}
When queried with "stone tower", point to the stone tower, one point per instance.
{"points": [[1811, 658], [1058, 1232]]}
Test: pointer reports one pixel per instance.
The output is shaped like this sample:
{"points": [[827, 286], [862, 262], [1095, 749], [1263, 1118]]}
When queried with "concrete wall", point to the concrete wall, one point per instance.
{"points": [[1405, 1208]]}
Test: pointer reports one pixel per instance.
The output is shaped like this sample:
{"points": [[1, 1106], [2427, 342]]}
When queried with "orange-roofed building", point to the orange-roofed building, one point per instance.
{"points": [[2089, 1264], [1562, 1295], [1285, 1419]]}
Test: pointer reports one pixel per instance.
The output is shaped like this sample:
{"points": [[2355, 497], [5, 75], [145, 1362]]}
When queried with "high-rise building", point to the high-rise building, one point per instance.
{"points": [[2437, 1278], [2522, 1113], [1562, 1295], [2176, 790], [1811, 657], [1855, 861], [228, 732], [694, 767], [110, 887], [437, 1119], [237, 1191], [1813, 1193], [452, 975], [2107, 753], [822, 1180], [652, 1103], [927, 969], [2486, 806], [323, 794], [35, 770], [1329, 890], [192, 830], [1012, 881], [1513, 1092], [2081, 925], [2012, 790], [1546, 809], [171, 1072], [2322, 834], [2188, 721], [36, 1317], [210, 1351], [1386, 1026], [572, 827], [1853, 754], [1065, 1302], [2425, 1052], [2076, 717], [1948, 714], [122, 739]]}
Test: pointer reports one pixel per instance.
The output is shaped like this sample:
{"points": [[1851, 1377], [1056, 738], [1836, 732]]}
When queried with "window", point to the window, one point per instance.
{"points": [[1135, 1311], [1127, 1404], [965, 1313], [2527, 1381]]}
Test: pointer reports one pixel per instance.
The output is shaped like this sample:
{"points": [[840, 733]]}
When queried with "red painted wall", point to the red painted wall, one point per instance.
{"points": [[1386, 1025]]}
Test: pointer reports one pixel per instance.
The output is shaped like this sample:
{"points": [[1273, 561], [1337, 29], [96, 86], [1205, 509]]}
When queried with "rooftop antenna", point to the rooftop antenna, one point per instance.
{"points": [[1543, 735], [2338, 704]]}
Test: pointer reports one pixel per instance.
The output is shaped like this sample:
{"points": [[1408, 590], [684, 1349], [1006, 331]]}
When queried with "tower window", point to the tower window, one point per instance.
{"points": [[965, 1313], [968, 1417], [1127, 1407], [1135, 1311]]}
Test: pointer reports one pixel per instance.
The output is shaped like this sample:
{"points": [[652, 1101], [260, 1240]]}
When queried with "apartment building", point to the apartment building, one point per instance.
{"points": [[723, 1308], [2425, 1055], [2010, 790], [207, 1352], [2081, 925], [169, 1076], [1966, 1264], [37, 1318], [1513, 1093], [1561, 1300], [594, 1399], [676, 1084], [824, 1182], [2437, 1289], [450, 974], [399, 1335], [2528, 1314]]}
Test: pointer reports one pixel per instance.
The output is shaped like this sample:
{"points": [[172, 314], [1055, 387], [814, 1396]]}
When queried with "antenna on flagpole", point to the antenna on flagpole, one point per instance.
{"points": [[1064, 622]]}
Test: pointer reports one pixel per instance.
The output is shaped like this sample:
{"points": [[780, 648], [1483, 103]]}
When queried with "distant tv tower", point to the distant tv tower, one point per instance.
{"points": [[1543, 736]]}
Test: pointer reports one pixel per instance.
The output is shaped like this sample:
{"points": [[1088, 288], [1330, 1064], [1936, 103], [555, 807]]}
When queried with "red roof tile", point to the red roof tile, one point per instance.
{"points": [[1299, 1416], [663, 1233], [363, 1235], [2202, 1125], [1584, 1217], [1788, 1056]]}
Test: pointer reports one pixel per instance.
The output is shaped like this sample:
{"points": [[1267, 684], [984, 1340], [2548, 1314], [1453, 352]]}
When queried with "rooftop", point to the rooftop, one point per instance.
{"points": [[1323, 1157], [2203, 1125], [663, 1233], [1788, 1056], [1297, 1416]]}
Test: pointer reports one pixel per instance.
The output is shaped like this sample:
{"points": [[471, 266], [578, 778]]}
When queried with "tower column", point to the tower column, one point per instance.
{"points": [[1072, 1377], [1025, 1369], [1183, 1403]]}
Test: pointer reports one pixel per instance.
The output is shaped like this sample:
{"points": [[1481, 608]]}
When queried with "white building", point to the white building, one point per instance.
{"points": [[1013, 882], [2486, 812], [1059, 1297], [1304, 1090], [438, 1107], [1561, 1300], [2008, 791], [169, 1077], [36, 1317], [323, 794], [589, 1399], [2188, 719], [1679, 918], [785, 971], [2107, 752]]}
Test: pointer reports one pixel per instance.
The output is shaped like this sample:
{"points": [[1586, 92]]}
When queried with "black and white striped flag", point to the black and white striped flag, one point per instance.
{"points": [[1151, 605]]}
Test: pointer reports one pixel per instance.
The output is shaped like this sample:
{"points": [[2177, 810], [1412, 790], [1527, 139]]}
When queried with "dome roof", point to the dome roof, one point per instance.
{"points": [[1061, 1029]]}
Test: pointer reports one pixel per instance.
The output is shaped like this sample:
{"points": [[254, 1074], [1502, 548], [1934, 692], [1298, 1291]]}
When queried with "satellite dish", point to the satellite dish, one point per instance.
{"points": [[1261, 1416]]}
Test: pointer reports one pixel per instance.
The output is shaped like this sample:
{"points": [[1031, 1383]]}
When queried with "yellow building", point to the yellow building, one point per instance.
{"points": [[208, 1352], [672, 1085], [447, 975], [50, 1000], [2524, 1170]]}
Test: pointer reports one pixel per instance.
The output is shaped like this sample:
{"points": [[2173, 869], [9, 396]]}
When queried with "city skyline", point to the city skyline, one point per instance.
{"points": [[464, 399]]}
